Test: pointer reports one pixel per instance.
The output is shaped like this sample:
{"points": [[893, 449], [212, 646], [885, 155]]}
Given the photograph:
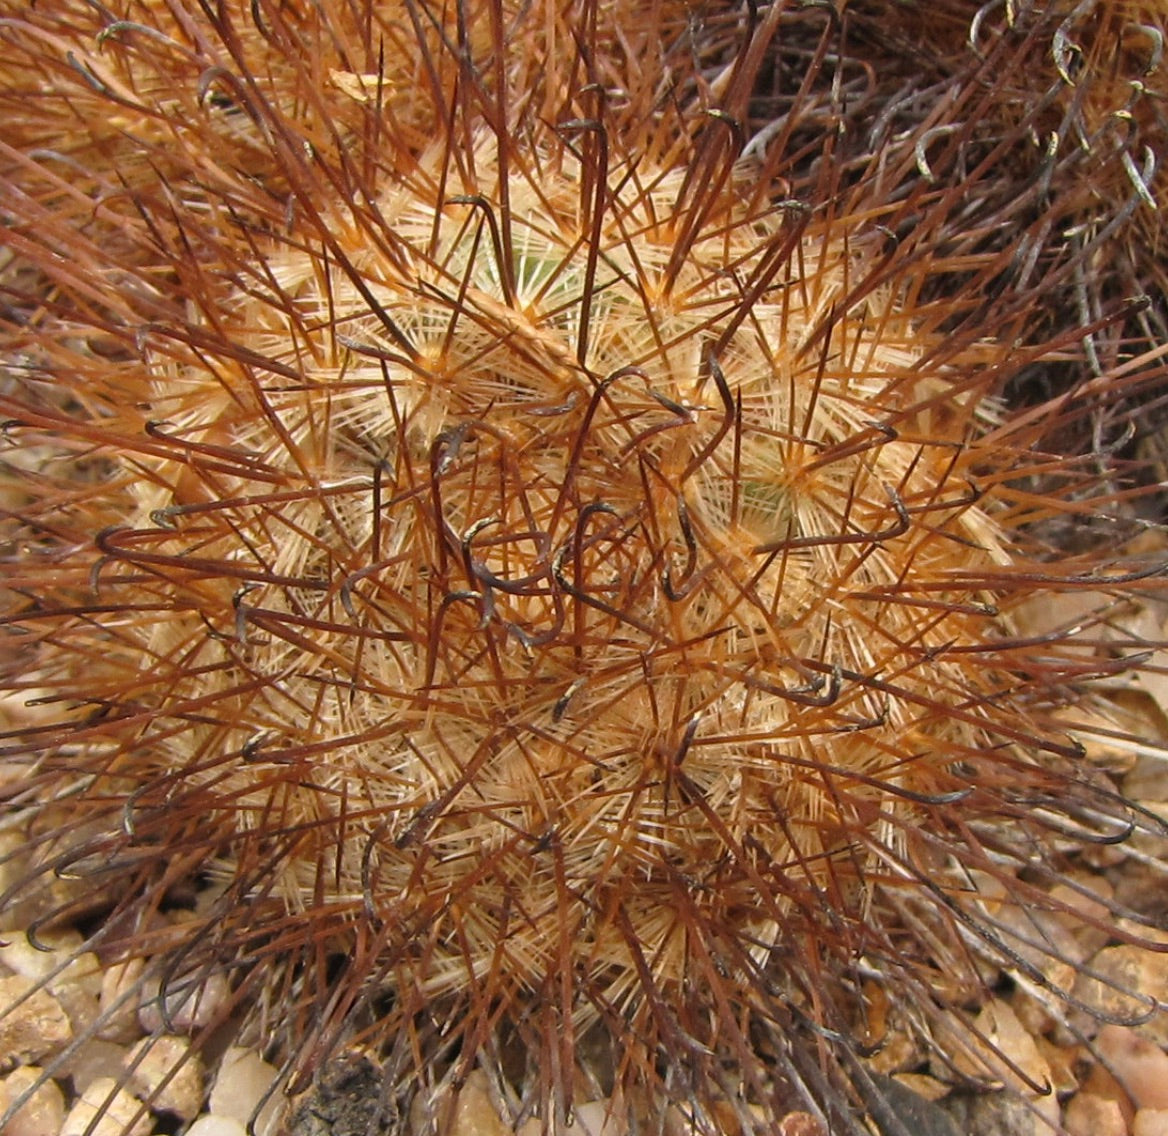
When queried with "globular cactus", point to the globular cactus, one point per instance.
{"points": [[504, 567]]}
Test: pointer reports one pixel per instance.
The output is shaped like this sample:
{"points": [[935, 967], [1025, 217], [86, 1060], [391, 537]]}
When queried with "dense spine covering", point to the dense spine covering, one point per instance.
{"points": [[534, 568]]}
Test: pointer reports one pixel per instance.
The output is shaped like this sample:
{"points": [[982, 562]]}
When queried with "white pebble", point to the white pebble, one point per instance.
{"points": [[241, 1083], [213, 1125], [470, 1113], [189, 1003], [596, 1118]]}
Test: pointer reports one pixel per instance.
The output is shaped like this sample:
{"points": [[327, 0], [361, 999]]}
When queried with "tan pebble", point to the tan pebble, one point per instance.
{"points": [[1047, 1111], [1150, 1122], [1100, 857], [1147, 780], [1138, 1064], [678, 1122], [1100, 1083], [50, 894], [14, 858], [1145, 838], [44, 1111], [1000, 1026], [167, 1074], [55, 901], [92, 1060], [105, 1109], [63, 963], [32, 1028], [1009, 1045], [921, 1084], [1089, 1115], [1092, 729], [1036, 1014], [1142, 932], [1089, 920], [801, 1124], [474, 1112], [1042, 938], [1130, 977], [898, 1051], [1038, 1009], [1061, 1060], [81, 1007], [241, 1083], [118, 1002]]}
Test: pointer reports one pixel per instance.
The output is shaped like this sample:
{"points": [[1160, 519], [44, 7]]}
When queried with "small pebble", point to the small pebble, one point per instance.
{"points": [[72, 965], [92, 1060], [1089, 1115], [212, 1125], [596, 1118], [1140, 1066], [899, 1051], [80, 1005], [1146, 839], [921, 1084], [998, 1114], [1147, 780], [104, 1109], [1061, 1062], [34, 1028], [119, 1001], [14, 851], [1100, 1083], [1150, 1122], [474, 1114], [42, 1114], [186, 1005], [1043, 940], [1005, 1036], [1134, 977], [242, 1081], [801, 1124], [1039, 1010], [167, 1074], [1092, 937], [50, 895]]}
